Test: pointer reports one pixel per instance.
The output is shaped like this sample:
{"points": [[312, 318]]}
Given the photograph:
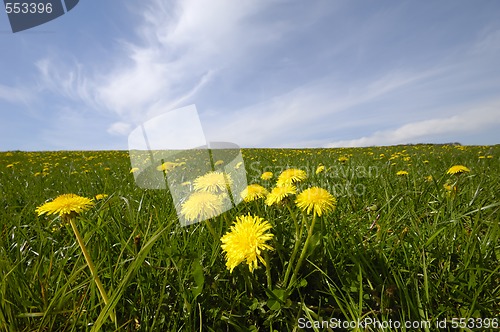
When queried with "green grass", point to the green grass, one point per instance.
{"points": [[400, 248]]}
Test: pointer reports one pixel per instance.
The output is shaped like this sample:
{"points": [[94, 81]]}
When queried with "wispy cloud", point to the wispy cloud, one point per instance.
{"points": [[277, 73], [181, 49], [480, 118], [15, 95]]}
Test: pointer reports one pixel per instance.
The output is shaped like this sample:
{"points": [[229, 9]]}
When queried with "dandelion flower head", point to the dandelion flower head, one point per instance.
{"points": [[266, 176], [201, 206], [317, 200], [245, 242], [253, 192], [65, 205], [213, 182], [291, 176], [457, 169], [278, 194], [320, 169], [167, 166], [343, 159], [402, 173]]}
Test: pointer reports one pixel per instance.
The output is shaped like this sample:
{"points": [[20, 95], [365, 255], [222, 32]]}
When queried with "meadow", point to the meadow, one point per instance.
{"points": [[401, 242]]}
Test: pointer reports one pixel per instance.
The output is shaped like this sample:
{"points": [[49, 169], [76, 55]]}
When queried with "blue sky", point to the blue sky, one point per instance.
{"points": [[261, 73]]}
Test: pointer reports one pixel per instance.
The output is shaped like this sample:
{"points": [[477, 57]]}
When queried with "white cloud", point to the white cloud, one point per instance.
{"points": [[469, 121], [119, 128], [15, 95], [308, 111], [182, 47], [189, 47]]}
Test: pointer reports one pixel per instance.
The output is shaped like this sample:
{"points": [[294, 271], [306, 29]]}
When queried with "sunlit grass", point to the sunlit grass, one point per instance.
{"points": [[419, 246]]}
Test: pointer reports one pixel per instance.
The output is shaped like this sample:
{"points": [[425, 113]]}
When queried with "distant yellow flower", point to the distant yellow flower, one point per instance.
{"points": [[343, 159], [219, 162], [238, 165], [10, 165], [253, 192], [278, 194], [402, 173], [451, 189], [100, 196], [167, 166], [65, 205], [213, 182], [245, 242], [429, 178], [291, 176], [133, 170], [201, 206], [320, 169], [317, 200], [457, 169], [266, 176]]}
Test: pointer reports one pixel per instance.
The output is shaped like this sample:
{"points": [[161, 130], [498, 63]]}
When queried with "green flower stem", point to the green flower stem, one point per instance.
{"points": [[298, 236], [304, 251], [91, 266], [268, 270], [211, 229]]}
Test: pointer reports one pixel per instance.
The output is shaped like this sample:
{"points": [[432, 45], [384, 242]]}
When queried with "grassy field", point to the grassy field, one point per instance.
{"points": [[415, 248]]}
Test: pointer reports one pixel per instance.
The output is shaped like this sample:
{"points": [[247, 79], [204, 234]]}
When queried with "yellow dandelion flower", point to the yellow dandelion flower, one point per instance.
{"points": [[100, 196], [167, 166], [10, 166], [245, 242], [320, 169], [429, 178], [457, 169], [451, 189], [343, 159], [402, 173], [278, 194], [253, 192], [65, 205], [291, 176], [266, 176], [317, 200], [219, 162], [213, 182], [201, 206]]}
